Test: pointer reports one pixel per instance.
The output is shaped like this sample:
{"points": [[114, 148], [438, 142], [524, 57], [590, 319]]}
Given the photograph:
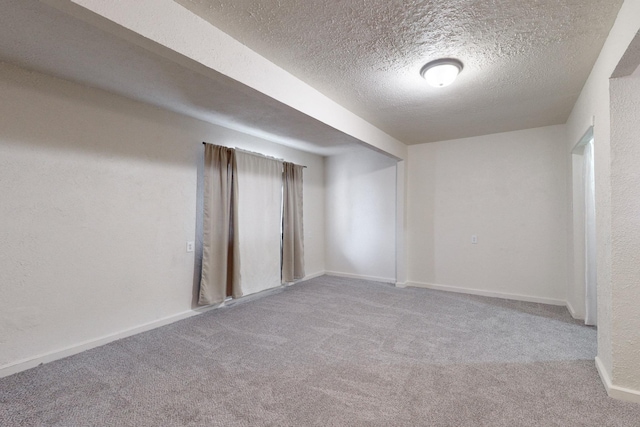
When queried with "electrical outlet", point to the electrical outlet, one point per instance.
{"points": [[191, 246], [474, 239]]}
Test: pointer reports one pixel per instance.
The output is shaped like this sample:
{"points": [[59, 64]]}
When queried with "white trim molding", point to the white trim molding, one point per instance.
{"points": [[614, 391], [362, 277], [305, 278], [23, 365], [572, 311], [311, 276], [493, 294]]}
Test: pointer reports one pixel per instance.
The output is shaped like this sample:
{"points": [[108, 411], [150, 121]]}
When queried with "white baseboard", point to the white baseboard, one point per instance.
{"points": [[614, 391], [25, 364], [360, 276], [493, 294], [401, 284], [311, 276], [573, 313], [305, 278]]}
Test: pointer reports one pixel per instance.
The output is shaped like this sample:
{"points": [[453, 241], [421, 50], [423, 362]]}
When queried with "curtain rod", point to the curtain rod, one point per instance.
{"points": [[259, 154]]}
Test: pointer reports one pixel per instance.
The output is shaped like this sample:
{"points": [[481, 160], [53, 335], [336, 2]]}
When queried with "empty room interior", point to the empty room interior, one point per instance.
{"points": [[290, 213]]}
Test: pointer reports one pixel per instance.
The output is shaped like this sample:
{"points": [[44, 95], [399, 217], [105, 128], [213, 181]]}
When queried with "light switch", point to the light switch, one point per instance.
{"points": [[191, 246], [474, 239]]}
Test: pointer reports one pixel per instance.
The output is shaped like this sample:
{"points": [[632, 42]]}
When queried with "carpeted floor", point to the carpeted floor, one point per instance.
{"points": [[333, 352]]}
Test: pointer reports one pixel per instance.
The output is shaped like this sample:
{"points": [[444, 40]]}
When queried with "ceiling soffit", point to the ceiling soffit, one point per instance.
{"points": [[525, 62]]}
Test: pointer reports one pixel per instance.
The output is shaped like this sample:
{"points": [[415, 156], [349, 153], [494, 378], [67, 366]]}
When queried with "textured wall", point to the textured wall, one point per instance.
{"points": [[625, 230], [98, 201], [361, 214], [593, 107], [509, 190]]}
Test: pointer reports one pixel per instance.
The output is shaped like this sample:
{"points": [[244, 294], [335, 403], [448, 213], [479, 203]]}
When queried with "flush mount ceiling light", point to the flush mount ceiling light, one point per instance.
{"points": [[441, 72]]}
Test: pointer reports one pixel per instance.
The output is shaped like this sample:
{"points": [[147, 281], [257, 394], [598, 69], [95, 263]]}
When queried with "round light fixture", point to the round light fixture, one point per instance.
{"points": [[441, 72]]}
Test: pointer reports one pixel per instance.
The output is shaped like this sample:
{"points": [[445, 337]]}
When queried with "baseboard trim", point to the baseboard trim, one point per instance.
{"points": [[23, 365], [604, 376], [572, 311], [311, 276], [614, 391], [401, 284], [493, 294], [362, 277], [304, 279]]}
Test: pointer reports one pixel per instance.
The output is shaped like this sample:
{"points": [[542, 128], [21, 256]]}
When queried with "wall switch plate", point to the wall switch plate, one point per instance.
{"points": [[191, 246], [474, 239]]}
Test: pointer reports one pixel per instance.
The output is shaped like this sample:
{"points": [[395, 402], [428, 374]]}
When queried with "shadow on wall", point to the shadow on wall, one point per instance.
{"points": [[197, 260], [361, 214], [55, 114]]}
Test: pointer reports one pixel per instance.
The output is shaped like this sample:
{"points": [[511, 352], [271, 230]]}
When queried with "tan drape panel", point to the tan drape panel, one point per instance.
{"points": [[259, 221], [220, 252], [292, 225]]}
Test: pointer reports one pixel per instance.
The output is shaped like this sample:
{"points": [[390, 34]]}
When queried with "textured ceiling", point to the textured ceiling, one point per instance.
{"points": [[525, 61], [36, 36]]}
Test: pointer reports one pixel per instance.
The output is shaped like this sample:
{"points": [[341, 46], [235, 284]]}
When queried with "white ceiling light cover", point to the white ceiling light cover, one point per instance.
{"points": [[441, 72]]}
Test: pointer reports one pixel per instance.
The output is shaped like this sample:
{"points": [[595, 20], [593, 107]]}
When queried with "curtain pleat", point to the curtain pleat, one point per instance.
{"points": [[220, 255], [252, 211], [292, 224]]}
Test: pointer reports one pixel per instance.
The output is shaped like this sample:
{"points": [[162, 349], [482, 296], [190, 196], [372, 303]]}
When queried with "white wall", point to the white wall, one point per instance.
{"points": [[98, 200], [625, 232], [593, 106], [361, 215], [508, 189]]}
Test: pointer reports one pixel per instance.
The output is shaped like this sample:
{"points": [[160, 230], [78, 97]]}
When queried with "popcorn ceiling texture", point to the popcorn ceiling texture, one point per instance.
{"points": [[525, 62]]}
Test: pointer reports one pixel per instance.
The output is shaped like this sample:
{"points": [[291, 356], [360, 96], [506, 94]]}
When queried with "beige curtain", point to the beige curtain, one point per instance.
{"points": [[292, 226], [220, 252], [259, 220]]}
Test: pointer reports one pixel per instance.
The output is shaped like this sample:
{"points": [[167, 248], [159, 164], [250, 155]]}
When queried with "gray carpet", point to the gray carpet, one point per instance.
{"points": [[333, 352]]}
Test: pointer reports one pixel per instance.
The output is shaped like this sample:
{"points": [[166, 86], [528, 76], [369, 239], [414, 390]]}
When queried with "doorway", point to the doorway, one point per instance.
{"points": [[583, 294]]}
